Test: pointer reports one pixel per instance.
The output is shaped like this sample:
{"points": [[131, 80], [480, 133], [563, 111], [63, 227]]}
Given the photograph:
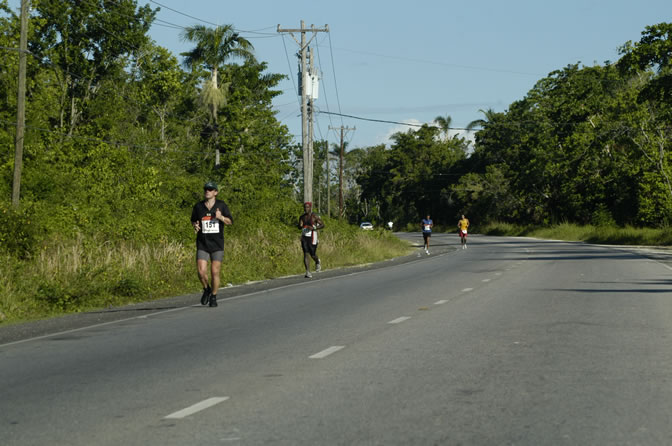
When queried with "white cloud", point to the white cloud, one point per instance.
{"points": [[385, 137], [468, 135]]}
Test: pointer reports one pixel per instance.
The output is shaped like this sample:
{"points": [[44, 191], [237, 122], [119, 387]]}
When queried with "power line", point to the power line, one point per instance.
{"points": [[211, 23], [390, 122], [130, 47], [291, 72], [413, 60], [182, 13], [333, 67], [504, 123], [324, 87]]}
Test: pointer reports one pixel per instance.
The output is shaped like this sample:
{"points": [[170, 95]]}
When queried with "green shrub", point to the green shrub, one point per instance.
{"points": [[602, 216], [129, 286], [21, 229], [58, 296]]}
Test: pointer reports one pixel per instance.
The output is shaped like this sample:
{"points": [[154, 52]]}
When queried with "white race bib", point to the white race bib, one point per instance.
{"points": [[428, 228], [210, 225], [464, 231], [306, 232]]}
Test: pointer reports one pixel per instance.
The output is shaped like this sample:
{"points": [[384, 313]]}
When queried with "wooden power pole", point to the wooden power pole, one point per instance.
{"points": [[340, 168], [20, 106], [305, 79]]}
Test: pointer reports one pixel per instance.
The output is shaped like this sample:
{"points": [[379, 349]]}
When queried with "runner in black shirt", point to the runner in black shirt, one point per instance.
{"points": [[309, 223], [208, 219]]}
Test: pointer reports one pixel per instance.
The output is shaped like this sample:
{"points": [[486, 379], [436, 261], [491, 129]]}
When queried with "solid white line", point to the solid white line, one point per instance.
{"points": [[326, 352], [466, 290], [440, 302], [399, 320], [102, 324], [197, 407]]}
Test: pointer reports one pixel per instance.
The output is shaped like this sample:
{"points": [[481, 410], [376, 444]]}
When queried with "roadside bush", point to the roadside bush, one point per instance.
{"points": [[59, 297], [602, 216], [129, 286], [21, 229]]}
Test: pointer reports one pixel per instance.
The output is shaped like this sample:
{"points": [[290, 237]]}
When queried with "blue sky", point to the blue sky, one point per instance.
{"points": [[409, 62]]}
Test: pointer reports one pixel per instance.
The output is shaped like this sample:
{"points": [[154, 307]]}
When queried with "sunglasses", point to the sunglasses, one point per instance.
{"points": [[209, 189]]}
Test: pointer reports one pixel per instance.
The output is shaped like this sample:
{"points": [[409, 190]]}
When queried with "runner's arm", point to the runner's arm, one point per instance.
{"points": [[318, 222], [224, 215], [195, 221]]}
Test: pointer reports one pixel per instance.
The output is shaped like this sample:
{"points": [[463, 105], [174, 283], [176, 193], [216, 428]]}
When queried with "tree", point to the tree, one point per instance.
{"points": [[412, 177], [648, 66], [487, 196], [444, 124], [653, 52], [214, 47], [86, 43], [159, 79], [489, 116]]}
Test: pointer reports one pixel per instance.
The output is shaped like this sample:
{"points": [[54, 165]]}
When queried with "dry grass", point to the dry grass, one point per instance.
{"points": [[68, 259], [79, 275], [613, 235]]}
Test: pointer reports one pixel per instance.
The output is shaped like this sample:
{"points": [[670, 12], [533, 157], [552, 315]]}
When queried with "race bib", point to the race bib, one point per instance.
{"points": [[210, 225], [306, 232], [428, 228], [464, 231]]}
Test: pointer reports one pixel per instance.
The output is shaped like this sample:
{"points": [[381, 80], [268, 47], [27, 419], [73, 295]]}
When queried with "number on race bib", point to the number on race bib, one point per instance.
{"points": [[210, 226]]}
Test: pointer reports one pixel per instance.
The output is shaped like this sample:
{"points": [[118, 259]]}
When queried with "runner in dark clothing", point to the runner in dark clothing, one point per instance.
{"points": [[208, 218], [426, 224], [309, 223]]}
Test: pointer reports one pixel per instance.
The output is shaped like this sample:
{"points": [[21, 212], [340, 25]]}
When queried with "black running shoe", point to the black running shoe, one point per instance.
{"points": [[213, 300], [206, 295]]}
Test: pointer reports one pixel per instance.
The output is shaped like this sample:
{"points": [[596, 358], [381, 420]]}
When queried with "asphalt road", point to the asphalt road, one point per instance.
{"points": [[512, 341]]}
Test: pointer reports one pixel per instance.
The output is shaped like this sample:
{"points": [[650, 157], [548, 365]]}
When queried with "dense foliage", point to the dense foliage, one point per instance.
{"points": [[585, 145], [120, 138], [121, 135]]}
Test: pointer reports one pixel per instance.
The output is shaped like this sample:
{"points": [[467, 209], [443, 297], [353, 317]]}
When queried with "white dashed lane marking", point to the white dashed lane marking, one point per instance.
{"points": [[440, 302], [399, 320], [466, 290], [326, 352], [197, 407]]}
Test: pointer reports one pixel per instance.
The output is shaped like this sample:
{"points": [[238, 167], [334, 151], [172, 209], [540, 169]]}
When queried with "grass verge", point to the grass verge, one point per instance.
{"points": [[77, 275], [607, 235]]}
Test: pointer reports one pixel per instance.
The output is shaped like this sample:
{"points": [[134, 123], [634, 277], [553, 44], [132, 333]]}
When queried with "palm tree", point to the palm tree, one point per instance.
{"points": [[489, 116], [214, 47], [444, 124]]}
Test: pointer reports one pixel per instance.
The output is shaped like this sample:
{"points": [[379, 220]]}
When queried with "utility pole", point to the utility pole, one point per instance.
{"points": [[310, 99], [305, 76], [328, 180], [340, 168], [20, 106]]}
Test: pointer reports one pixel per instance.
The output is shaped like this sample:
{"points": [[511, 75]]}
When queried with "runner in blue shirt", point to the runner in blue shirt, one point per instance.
{"points": [[426, 225]]}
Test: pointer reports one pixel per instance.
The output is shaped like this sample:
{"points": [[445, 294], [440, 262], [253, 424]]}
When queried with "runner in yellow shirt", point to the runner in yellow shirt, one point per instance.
{"points": [[463, 224]]}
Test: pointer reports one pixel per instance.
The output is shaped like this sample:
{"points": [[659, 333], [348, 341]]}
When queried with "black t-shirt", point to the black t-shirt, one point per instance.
{"points": [[307, 221], [211, 236]]}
